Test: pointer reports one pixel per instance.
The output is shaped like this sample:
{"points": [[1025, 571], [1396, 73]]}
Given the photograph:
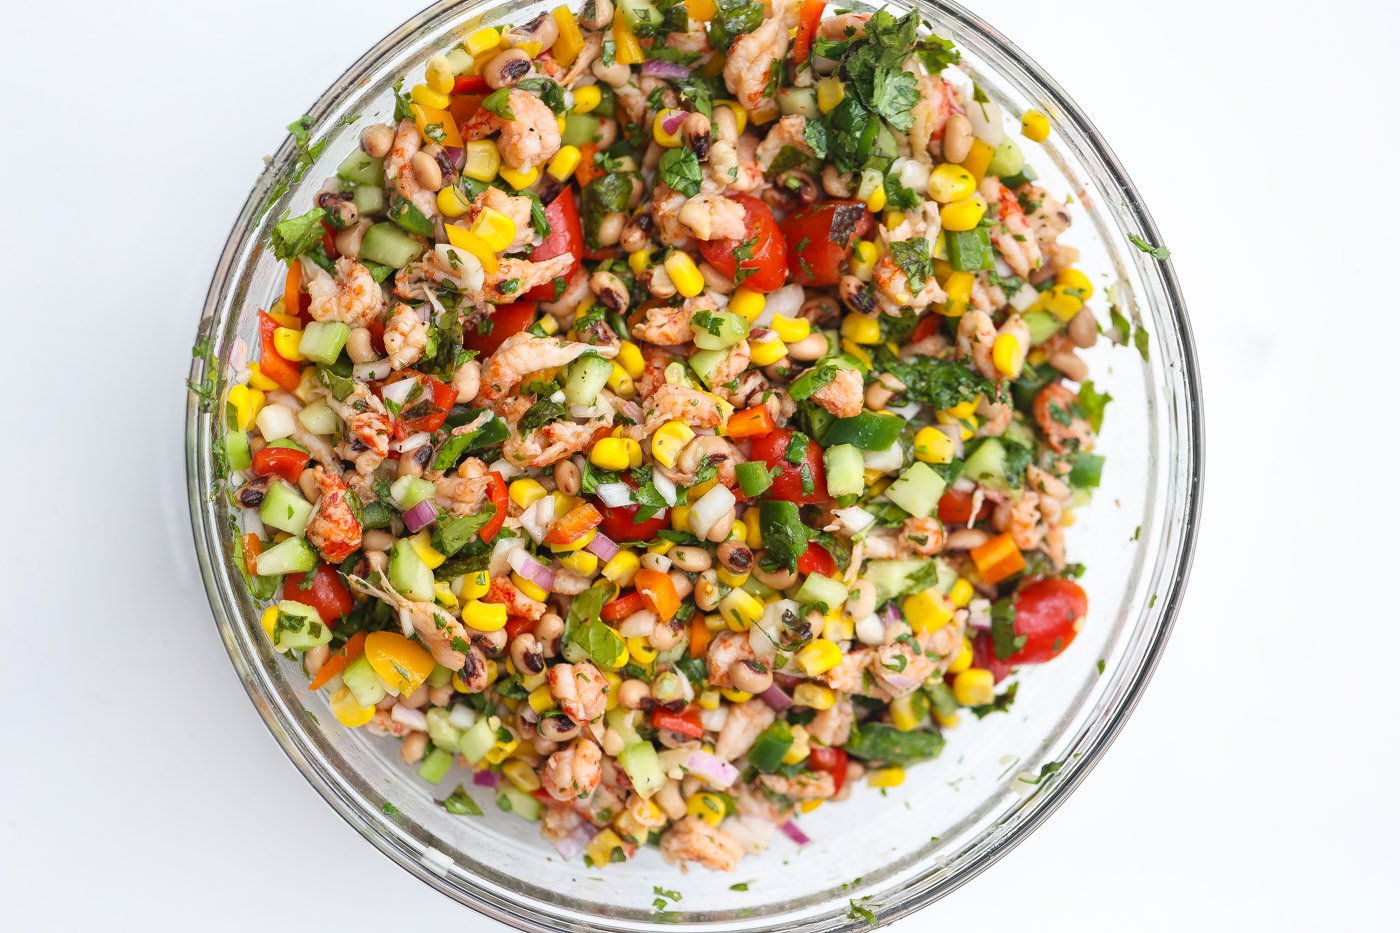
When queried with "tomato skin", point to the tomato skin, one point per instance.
{"points": [[816, 559], [771, 448], [831, 760], [955, 508], [928, 325], [280, 461], [1046, 613], [506, 321], [769, 260], [819, 260], [985, 656], [327, 595], [517, 626], [565, 236], [619, 525]]}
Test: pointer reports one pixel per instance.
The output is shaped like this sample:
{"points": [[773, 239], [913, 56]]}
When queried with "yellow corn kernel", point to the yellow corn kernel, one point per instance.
{"points": [[736, 696], [268, 620], [490, 617], [587, 98], [927, 610], [709, 807], [807, 806], [949, 182], [629, 355], [570, 41], [438, 75], [747, 303], [621, 383], [740, 609], [1008, 356], [966, 426], [622, 567], [495, 228], [474, 585], [701, 10], [698, 490], [348, 711], [877, 199], [892, 776], [580, 562], [903, 715], [422, 544], [287, 342], [639, 261], [1073, 280], [1035, 126], [541, 699], [670, 140], [483, 160], [641, 652], [565, 163], [634, 452], [861, 329], [526, 492], [800, 748], [767, 352], [933, 446], [483, 40], [502, 750], [256, 379], [974, 687], [246, 404], [1061, 301], [961, 593], [667, 442], [606, 847], [963, 659], [530, 589], [963, 214], [520, 179], [791, 330], [813, 696], [964, 409], [451, 202], [863, 260], [730, 578], [614, 682], [422, 94], [861, 355], [519, 773], [741, 116], [755, 537], [709, 699], [462, 238], [819, 657], [949, 721], [830, 92], [629, 50], [684, 274], [610, 453], [738, 533]]}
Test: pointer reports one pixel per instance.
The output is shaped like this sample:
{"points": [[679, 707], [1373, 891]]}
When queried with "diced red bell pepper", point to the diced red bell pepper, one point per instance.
{"points": [[281, 461], [326, 594], [272, 364], [565, 236], [831, 760], [623, 606], [576, 523], [686, 722], [497, 494], [816, 559], [809, 17]]}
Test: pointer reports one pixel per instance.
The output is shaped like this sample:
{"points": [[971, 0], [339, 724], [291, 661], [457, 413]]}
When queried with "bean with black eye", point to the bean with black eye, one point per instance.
{"points": [[507, 68]]}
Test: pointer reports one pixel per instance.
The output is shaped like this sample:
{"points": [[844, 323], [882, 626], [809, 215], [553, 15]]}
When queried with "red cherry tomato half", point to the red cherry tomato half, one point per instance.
{"points": [[767, 253], [506, 321], [831, 760], [280, 461], [820, 238], [620, 523], [928, 325], [1048, 613], [565, 236], [984, 656], [327, 595], [517, 626], [816, 559], [955, 508], [428, 410], [788, 486]]}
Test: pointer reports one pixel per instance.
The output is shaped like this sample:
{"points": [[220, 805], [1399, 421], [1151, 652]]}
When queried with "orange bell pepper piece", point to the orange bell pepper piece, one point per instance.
{"points": [[587, 169], [699, 637], [579, 520], [291, 291], [339, 661], [998, 559], [751, 422], [252, 547], [659, 593]]}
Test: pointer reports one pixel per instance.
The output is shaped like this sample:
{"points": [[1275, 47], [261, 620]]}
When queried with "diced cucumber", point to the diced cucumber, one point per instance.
{"points": [[440, 677], [624, 722], [318, 418], [298, 627], [917, 490], [845, 470], [580, 129], [291, 556], [322, 341], [718, 330], [408, 491], [236, 450], [1020, 432], [968, 250], [369, 200], [799, 100], [706, 363], [477, 741], [987, 465], [1007, 160], [435, 766], [407, 215], [286, 443], [361, 169], [283, 508], [387, 244], [514, 800], [586, 377], [362, 682], [441, 731], [639, 13], [407, 572], [819, 588], [869, 430], [893, 577], [643, 767], [754, 478], [1088, 470], [1041, 325]]}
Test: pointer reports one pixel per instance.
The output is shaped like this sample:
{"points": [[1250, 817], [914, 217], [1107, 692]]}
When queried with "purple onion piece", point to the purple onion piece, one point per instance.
{"points": [[789, 829], [776, 698], [420, 516], [603, 546]]}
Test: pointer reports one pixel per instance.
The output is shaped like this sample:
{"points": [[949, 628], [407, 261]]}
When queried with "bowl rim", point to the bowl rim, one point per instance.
{"points": [[1099, 159]]}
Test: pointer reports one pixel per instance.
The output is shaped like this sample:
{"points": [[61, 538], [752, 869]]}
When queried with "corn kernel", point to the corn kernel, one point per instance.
{"points": [[740, 609], [490, 617], [738, 533], [669, 139], [964, 409], [735, 696], [863, 260], [964, 213], [348, 711], [830, 92], [451, 202], [903, 714], [483, 40], [974, 687], [462, 238], [541, 699], [587, 98], [877, 199], [526, 492], [1008, 356], [961, 593], [709, 699], [474, 585], [754, 537], [622, 567], [767, 352], [1062, 302], [800, 748], [684, 274], [519, 773], [581, 562], [439, 75], [861, 355], [709, 807], [629, 355], [578, 544], [927, 610], [610, 453], [933, 446], [422, 544], [422, 94], [634, 452], [641, 651], [483, 160], [1035, 126], [861, 329], [246, 404], [747, 303], [949, 182], [502, 750], [730, 578], [495, 228], [256, 379], [963, 659], [819, 657], [791, 330], [565, 163], [1075, 281], [807, 806], [979, 158], [614, 682], [620, 383], [886, 777], [966, 426], [639, 261], [668, 441], [287, 342], [813, 696], [520, 179]]}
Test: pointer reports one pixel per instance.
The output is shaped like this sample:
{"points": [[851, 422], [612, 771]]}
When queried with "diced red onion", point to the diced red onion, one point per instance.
{"points": [[900, 683], [486, 778], [776, 698], [456, 155], [525, 564], [412, 718], [716, 770], [603, 546], [572, 845], [890, 614], [789, 829], [954, 434], [656, 68], [672, 124], [614, 495], [399, 392], [420, 516]]}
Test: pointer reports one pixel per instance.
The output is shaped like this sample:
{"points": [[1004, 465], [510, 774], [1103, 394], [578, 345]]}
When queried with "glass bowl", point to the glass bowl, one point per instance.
{"points": [[889, 852]]}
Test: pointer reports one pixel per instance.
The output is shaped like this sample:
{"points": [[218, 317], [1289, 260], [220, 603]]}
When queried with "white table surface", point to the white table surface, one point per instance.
{"points": [[1251, 789]]}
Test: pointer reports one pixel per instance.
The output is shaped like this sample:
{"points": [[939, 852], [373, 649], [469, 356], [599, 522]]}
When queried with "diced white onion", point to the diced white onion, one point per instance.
{"points": [[855, 518], [406, 622], [913, 174], [467, 266], [276, 422], [963, 484], [656, 562], [413, 718], [752, 832], [886, 461], [786, 301], [639, 624], [1025, 296], [985, 117], [399, 392], [371, 370], [507, 470], [664, 486], [614, 494], [558, 397], [979, 614], [711, 508], [500, 555], [713, 719], [412, 442], [537, 518], [462, 717], [870, 630]]}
